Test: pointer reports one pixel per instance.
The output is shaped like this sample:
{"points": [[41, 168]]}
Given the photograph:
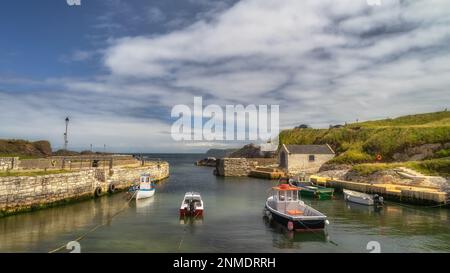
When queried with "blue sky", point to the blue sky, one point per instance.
{"points": [[118, 67]]}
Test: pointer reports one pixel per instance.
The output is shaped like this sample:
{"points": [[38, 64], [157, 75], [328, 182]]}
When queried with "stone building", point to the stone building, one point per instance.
{"points": [[304, 158]]}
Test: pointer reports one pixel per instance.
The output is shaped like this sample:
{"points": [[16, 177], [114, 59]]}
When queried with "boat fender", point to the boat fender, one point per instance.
{"points": [[290, 226], [327, 222], [98, 191], [111, 188]]}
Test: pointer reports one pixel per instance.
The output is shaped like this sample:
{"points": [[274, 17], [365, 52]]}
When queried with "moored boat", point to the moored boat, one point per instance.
{"points": [[285, 207], [308, 189], [363, 198], [145, 189], [192, 205]]}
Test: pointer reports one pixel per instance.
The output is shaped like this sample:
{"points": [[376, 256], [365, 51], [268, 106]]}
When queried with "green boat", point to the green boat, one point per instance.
{"points": [[308, 189]]}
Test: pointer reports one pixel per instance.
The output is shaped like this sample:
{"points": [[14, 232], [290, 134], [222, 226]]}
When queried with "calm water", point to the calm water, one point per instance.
{"points": [[233, 222]]}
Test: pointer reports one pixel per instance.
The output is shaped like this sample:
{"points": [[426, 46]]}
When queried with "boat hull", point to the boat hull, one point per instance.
{"points": [[297, 224], [319, 194], [358, 200], [185, 213], [142, 194]]}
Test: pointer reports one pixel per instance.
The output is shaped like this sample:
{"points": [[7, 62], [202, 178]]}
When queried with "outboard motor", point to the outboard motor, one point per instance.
{"points": [[191, 207], [378, 200]]}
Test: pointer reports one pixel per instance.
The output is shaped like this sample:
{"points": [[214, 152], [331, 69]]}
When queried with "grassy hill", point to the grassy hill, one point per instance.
{"points": [[361, 142], [24, 149]]}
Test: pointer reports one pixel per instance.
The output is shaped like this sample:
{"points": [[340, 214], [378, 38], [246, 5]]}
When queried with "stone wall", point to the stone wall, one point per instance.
{"points": [[235, 166], [125, 177], [19, 193], [76, 162], [9, 163]]}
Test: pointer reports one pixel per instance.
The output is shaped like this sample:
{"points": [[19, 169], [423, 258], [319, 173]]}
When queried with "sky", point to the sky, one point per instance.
{"points": [[117, 67]]}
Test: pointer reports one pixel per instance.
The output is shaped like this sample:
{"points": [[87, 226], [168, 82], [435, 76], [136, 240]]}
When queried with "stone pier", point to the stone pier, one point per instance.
{"points": [[22, 193]]}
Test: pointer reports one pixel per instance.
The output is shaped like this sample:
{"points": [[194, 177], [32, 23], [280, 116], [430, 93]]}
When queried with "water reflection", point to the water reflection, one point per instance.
{"points": [[27, 231], [283, 238], [144, 205], [370, 210], [191, 220]]}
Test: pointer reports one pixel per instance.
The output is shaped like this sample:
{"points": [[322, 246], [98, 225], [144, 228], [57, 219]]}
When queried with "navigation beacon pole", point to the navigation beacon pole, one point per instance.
{"points": [[65, 134]]}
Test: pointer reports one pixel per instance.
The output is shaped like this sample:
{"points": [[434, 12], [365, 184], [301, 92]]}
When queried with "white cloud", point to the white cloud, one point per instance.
{"points": [[322, 61]]}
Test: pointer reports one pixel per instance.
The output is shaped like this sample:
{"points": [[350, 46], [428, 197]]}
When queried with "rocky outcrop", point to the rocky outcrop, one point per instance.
{"points": [[252, 151], [399, 176], [420, 152], [207, 162]]}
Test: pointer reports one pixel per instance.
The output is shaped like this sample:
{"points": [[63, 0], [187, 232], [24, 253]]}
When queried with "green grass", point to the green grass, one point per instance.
{"points": [[19, 156], [33, 173], [426, 167], [443, 153], [436, 118], [352, 157], [362, 142]]}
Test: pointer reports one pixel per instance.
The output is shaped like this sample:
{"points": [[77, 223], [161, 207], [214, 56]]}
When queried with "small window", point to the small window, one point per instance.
{"points": [[312, 158]]}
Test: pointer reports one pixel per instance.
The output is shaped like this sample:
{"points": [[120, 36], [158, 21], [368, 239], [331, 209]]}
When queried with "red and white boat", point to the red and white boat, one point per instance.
{"points": [[192, 205]]}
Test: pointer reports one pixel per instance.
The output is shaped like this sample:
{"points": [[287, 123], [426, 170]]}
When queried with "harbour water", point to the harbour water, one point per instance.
{"points": [[233, 221]]}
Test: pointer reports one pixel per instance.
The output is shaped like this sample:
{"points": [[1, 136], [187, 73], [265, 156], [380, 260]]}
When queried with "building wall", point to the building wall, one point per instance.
{"points": [[300, 162]]}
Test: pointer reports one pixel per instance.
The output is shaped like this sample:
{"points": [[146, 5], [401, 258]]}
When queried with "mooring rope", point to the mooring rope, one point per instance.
{"points": [[78, 239], [184, 232]]}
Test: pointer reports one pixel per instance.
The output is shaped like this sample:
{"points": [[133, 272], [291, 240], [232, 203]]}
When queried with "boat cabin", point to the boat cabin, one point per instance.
{"points": [[145, 178], [192, 198], [285, 199], [146, 182]]}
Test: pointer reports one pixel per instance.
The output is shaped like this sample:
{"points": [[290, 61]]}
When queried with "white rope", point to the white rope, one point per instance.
{"points": [[96, 227]]}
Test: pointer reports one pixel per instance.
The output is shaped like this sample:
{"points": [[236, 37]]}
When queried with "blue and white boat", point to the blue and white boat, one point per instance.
{"points": [[145, 189]]}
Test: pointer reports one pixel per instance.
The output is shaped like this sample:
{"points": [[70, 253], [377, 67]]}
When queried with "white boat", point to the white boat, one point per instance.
{"points": [[145, 189], [286, 208], [363, 198], [192, 205]]}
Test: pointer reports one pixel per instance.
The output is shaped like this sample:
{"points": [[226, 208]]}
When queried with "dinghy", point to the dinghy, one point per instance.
{"points": [[363, 198], [286, 208]]}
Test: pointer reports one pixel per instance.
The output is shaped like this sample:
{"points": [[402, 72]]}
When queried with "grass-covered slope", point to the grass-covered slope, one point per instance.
{"points": [[24, 149], [362, 142]]}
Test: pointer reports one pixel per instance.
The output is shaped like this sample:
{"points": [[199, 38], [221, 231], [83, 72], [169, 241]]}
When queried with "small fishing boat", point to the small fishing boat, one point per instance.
{"points": [[286, 208], [145, 189], [192, 205], [309, 189], [363, 198]]}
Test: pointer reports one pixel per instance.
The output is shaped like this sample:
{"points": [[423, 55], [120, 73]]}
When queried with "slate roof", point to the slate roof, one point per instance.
{"points": [[309, 149]]}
